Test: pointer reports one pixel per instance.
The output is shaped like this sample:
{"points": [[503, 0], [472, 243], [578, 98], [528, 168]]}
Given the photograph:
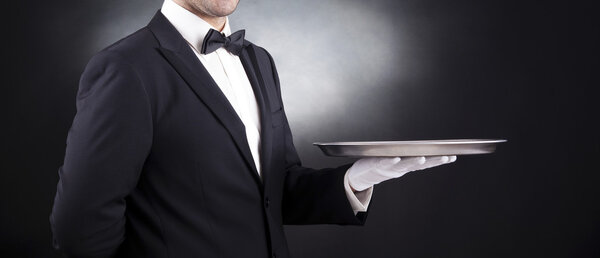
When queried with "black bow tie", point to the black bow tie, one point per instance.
{"points": [[214, 40]]}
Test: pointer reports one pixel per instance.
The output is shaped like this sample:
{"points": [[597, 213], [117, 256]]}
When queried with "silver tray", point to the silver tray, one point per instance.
{"points": [[409, 148]]}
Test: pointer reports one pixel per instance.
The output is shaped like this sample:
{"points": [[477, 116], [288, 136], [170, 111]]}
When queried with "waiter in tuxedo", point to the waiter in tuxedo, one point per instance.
{"points": [[181, 148]]}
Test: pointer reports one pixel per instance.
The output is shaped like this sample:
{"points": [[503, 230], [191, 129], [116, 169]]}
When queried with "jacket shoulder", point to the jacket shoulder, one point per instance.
{"points": [[133, 48]]}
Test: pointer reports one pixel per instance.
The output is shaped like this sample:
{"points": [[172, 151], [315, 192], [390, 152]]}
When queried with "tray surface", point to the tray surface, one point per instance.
{"points": [[409, 148]]}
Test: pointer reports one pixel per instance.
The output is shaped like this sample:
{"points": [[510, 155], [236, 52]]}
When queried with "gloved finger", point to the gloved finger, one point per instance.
{"points": [[444, 159], [434, 161], [385, 163], [408, 163], [452, 159], [405, 165]]}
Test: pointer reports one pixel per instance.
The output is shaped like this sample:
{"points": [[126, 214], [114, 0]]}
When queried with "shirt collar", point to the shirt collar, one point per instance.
{"points": [[191, 27]]}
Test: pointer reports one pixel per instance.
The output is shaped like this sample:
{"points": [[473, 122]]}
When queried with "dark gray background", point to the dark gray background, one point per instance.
{"points": [[525, 71]]}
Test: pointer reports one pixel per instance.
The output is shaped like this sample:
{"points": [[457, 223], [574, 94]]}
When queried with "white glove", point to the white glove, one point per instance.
{"points": [[367, 172]]}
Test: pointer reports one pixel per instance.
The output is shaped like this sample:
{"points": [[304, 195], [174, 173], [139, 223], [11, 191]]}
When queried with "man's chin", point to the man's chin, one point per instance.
{"points": [[223, 13]]}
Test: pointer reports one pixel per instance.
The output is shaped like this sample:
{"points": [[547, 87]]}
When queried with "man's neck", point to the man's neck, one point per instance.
{"points": [[217, 22]]}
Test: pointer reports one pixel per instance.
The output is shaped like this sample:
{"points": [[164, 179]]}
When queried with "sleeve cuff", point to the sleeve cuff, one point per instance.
{"points": [[359, 200]]}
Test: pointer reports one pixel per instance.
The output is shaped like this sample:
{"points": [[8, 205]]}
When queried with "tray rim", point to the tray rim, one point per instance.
{"points": [[411, 142]]}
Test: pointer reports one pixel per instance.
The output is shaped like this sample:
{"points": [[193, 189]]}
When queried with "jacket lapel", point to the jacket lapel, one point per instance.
{"points": [[248, 58], [182, 58]]}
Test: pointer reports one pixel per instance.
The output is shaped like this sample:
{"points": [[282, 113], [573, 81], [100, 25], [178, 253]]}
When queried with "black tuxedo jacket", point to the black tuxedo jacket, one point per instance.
{"points": [[157, 163]]}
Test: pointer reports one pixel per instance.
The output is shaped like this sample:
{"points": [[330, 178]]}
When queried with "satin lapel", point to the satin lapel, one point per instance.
{"points": [[184, 61], [252, 69]]}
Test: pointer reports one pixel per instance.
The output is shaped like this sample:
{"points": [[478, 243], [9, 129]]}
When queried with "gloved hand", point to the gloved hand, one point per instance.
{"points": [[367, 172]]}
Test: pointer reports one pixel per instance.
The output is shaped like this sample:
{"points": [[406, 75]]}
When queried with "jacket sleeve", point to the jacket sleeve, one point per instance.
{"points": [[107, 145], [313, 196]]}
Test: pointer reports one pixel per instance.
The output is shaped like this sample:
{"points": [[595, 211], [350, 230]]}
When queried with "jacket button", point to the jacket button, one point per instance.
{"points": [[267, 202], [274, 255]]}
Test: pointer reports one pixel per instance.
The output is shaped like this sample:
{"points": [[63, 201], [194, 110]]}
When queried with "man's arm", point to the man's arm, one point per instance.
{"points": [[107, 145]]}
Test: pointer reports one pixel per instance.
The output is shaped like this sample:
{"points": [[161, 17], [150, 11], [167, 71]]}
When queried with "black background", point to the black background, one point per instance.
{"points": [[525, 71]]}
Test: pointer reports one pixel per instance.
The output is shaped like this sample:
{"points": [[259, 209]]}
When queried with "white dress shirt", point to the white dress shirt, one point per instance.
{"points": [[227, 71]]}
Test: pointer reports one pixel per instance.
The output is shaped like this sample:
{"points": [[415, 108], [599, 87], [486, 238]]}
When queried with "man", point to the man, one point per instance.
{"points": [[181, 148]]}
